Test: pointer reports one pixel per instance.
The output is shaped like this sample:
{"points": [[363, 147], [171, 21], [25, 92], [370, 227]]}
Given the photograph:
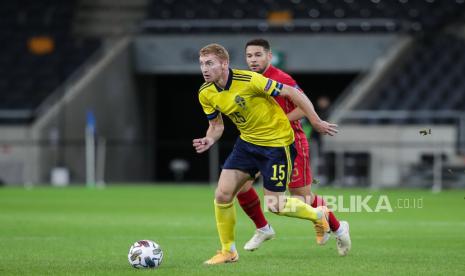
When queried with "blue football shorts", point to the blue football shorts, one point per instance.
{"points": [[274, 163]]}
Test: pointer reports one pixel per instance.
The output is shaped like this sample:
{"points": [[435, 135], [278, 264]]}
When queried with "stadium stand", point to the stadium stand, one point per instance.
{"points": [[300, 16], [46, 42], [424, 87], [435, 63], [39, 54]]}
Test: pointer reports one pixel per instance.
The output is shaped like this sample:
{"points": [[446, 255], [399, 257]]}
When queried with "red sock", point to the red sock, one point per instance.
{"points": [[250, 203], [333, 222]]}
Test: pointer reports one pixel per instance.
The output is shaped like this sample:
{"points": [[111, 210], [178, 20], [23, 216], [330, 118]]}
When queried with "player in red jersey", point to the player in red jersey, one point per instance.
{"points": [[258, 57]]}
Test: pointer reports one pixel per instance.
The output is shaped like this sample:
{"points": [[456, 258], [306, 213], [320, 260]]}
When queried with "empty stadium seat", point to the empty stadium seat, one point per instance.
{"points": [[430, 79], [27, 78], [323, 15]]}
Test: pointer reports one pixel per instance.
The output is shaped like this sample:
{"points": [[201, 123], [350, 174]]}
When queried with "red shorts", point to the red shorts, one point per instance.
{"points": [[302, 174]]}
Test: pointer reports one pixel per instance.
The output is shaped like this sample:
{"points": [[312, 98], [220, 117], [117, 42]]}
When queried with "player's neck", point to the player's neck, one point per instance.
{"points": [[223, 79], [266, 68]]}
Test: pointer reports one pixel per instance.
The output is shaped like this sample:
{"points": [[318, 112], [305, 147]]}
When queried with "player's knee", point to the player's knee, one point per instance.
{"points": [[272, 204], [222, 196], [273, 209], [247, 186]]}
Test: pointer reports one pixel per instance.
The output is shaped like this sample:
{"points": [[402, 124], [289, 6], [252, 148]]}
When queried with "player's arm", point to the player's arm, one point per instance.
{"points": [[262, 84], [295, 114], [214, 132], [304, 103]]}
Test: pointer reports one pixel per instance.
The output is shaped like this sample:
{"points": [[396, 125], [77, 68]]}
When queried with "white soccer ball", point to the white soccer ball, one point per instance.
{"points": [[145, 254]]}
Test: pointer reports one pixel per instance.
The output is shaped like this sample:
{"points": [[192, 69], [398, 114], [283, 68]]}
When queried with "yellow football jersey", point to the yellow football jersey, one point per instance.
{"points": [[247, 101]]}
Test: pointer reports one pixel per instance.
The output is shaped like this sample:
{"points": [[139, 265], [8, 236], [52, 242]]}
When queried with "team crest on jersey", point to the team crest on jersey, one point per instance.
{"points": [[240, 102]]}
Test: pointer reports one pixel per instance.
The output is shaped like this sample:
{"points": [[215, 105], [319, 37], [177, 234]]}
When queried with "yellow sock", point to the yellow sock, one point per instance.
{"points": [[298, 209], [225, 223]]}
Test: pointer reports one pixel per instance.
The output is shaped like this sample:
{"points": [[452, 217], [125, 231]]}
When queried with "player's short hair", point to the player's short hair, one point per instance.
{"points": [[259, 42], [215, 49]]}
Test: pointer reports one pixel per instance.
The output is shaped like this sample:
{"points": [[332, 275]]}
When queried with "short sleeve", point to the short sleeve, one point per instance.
{"points": [[208, 109], [265, 85]]}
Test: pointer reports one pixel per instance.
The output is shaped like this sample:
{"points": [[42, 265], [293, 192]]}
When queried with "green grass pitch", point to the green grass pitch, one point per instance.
{"points": [[79, 231]]}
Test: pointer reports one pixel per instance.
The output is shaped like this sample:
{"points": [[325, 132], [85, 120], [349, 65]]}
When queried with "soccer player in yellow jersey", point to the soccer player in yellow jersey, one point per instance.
{"points": [[265, 143]]}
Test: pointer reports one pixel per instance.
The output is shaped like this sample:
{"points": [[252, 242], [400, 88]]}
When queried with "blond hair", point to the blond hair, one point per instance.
{"points": [[215, 49]]}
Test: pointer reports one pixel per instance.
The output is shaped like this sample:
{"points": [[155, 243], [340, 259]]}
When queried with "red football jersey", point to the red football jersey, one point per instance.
{"points": [[286, 104]]}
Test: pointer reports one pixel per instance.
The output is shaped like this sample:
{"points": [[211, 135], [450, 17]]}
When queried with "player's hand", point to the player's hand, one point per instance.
{"points": [[202, 144], [326, 128]]}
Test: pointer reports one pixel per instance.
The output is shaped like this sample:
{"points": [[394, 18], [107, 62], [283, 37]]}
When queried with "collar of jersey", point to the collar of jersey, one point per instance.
{"points": [[268, 71], [228, 83]]}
